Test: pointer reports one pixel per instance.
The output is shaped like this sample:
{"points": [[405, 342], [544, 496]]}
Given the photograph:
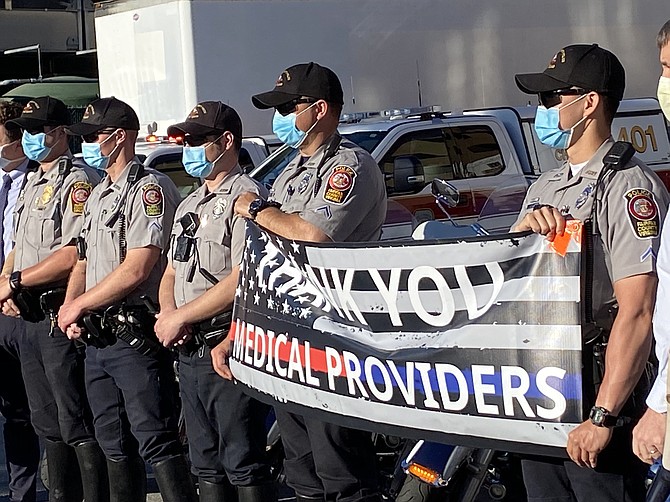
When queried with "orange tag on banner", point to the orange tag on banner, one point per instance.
{"points": [[573, 231]]}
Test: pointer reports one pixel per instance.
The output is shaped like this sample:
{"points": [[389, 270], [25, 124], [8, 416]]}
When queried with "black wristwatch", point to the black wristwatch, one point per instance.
{"points": [[15, 281], [257, 205], [601, 417]]}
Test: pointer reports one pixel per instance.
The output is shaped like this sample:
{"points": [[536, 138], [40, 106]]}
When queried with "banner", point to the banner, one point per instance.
{"points": [[476, 342]]}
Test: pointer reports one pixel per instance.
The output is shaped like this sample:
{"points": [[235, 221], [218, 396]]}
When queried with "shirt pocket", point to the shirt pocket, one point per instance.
{"points": [[214, 255], [51, 220]]}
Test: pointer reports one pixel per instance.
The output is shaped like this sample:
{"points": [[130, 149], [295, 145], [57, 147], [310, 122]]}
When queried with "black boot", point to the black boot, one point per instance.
{"points": [[93, 468], [127, 480], [259, 493], [63, 470], [174, 480], [216, 492]]}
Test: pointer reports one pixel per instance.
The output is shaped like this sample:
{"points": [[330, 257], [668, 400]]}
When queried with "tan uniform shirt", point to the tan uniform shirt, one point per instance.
{"points": [[631, 209], [219, 240], [345, 198], [148, 209], [49, 212]]}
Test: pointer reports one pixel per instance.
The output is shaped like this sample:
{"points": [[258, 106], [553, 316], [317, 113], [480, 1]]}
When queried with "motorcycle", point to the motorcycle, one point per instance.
{"points": [[439, 472]]}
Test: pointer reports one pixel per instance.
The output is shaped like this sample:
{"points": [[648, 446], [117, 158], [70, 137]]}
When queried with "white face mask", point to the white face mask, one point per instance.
{"points": [[664, 95], [4, 161]]}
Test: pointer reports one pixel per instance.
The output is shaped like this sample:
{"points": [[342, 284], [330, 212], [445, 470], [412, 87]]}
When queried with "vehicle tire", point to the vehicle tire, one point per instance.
{"points": [[414, 490]]}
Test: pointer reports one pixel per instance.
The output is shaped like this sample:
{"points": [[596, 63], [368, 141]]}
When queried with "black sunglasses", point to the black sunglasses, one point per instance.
{"points": [[93, 137], [190, 140], [552, 98], [289, 107]]}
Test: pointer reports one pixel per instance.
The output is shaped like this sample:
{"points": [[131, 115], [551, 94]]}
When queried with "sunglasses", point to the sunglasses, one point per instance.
{"points": [[93, 137], [552, 98], [290, 107]]}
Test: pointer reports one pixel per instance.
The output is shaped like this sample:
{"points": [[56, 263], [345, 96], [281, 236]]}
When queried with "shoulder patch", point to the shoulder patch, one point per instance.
{"points": [[643, 213], [340, 183], [152, 199], [81, 190]]}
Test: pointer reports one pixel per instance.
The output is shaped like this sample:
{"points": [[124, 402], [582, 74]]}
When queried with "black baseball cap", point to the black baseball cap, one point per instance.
{"points": [[209, 118], [589, 67], [40, 112], [309, 80], [105, 113]]}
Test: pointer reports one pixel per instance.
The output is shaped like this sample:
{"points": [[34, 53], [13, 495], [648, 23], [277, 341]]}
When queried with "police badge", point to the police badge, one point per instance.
{"points": [[219, 207]]}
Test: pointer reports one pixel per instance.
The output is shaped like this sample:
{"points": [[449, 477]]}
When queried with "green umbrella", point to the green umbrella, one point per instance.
{"points": [[75, 92]]}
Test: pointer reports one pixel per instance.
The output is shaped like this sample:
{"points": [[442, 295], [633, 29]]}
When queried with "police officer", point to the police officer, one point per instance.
{"points": [[22, 449], [580, 92], [332, 191], [48, 218], [125, 231], [225, 427]]}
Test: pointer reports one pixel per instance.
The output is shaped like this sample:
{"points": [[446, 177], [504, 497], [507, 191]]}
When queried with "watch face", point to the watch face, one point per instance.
{"points": [[597, 415]]}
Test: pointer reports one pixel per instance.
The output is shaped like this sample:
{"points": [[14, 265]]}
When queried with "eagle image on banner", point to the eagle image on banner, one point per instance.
{"points": [[476, 342]]}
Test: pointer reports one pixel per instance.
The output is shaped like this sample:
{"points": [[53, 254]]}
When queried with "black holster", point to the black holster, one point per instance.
{"points": [[36, 304], [213, 331], [133, 325]]}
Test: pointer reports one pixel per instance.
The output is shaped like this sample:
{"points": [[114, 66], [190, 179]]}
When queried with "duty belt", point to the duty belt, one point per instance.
{"points": [[209, 333]]}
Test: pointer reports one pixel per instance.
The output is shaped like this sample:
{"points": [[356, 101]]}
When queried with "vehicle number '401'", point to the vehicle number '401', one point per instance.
{"points": [[638, 137]]}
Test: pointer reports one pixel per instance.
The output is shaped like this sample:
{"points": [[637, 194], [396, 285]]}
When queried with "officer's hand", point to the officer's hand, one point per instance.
{"points": [[586, 442], [5, 290], [242, 204], [220, 355], [10, 309], [170, 329], [68, 314], [73, 332], [649, 436], [545, 220]]}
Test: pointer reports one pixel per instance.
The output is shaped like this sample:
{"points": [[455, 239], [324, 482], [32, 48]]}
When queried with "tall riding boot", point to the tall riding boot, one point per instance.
{"points": [[258, 493], [216, 492], [93, 467], [63, 470], [174, 480], [127, 480]]}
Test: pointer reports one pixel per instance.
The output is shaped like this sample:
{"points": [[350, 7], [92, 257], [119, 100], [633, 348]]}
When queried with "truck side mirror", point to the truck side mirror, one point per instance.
{"points": [[445, 192], [407, 173]]}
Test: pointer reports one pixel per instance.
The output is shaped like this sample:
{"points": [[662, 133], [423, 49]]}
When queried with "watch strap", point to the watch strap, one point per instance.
{"points": [[15, 280]]}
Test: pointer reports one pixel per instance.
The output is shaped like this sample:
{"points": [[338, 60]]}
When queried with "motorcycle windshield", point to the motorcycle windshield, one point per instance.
{"points": [[503, 206]]}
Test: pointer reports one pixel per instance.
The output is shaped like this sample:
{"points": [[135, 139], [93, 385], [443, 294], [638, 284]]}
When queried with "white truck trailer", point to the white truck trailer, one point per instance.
{"points": [[163, 56]]}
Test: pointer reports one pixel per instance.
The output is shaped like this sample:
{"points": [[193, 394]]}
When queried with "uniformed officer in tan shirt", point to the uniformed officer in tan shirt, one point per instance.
{"points": [[48, 218], [225, 427], [332, 191], [580, 91], [126, 232]]}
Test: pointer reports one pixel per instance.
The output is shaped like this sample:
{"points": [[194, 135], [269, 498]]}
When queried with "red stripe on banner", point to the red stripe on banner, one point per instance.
{"points": [[317, 357]]}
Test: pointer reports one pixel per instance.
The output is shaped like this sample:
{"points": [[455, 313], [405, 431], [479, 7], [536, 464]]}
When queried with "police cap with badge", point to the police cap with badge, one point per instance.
{"points": [[105, 114], [41, 112]]}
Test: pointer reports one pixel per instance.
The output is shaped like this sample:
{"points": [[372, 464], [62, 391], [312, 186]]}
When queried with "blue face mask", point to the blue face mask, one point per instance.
{"points": [[286, 130], [94, 157], [194, 159], [34, 146], [547, 126]]}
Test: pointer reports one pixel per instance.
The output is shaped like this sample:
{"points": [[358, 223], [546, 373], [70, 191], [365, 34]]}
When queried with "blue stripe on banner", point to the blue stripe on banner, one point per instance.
{"points": [[570, 386]]}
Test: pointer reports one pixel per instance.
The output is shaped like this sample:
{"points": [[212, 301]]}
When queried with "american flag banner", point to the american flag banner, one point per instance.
{"points": [[474, 342]]}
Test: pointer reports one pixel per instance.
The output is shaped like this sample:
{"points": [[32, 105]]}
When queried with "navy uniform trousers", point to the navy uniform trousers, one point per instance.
{"points": [[225, 427], [133, 399], [22, 450], [53, 371], [618, 477], [325, 461]]}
